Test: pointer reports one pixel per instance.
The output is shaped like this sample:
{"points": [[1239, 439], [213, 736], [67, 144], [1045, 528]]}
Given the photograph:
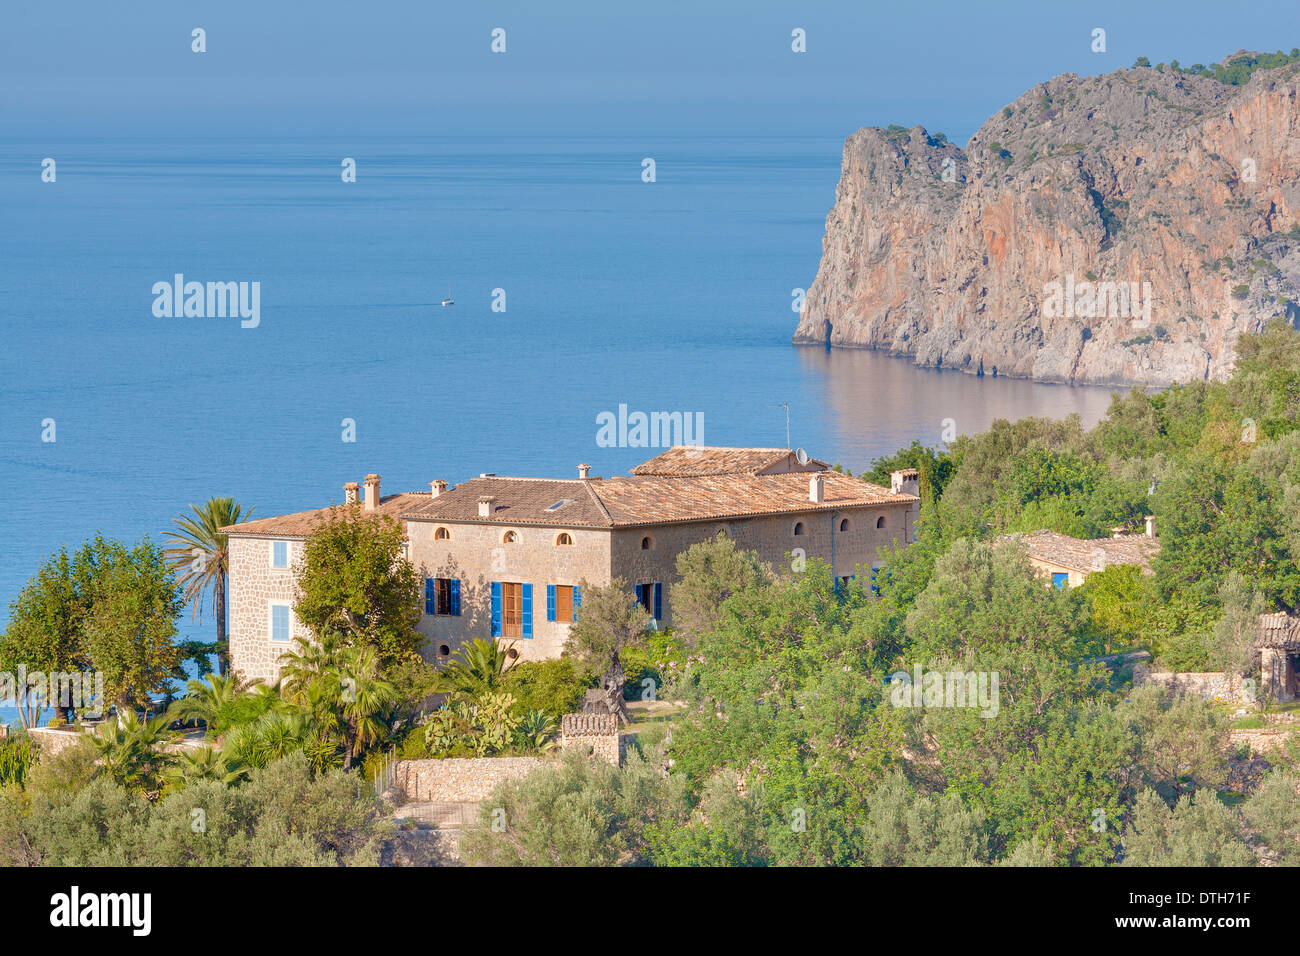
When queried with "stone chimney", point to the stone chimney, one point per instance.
{"points": [[905, 482], [372, 492], [584, 471], [1117, 531], [351, 493], [1151, 526], [485, 503], [437, 487], [817, 488]]}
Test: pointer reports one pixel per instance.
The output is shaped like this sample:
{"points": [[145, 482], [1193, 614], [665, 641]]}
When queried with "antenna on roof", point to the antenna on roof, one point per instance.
{"points": [[786, 406], [801, 456]]}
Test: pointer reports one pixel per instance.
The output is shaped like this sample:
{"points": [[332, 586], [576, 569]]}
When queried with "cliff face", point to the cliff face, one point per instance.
{"points": [[1124, 228]]}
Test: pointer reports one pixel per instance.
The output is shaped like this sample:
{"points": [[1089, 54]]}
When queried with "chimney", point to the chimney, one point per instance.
{"points": [[584, 471], [817, 488], [1151, 526], [1117, 532], [351, 493], [372, 492], [905, 482], [485, 505], [437, 487]]}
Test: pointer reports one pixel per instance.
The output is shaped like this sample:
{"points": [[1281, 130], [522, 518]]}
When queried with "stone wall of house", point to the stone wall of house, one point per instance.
{"points": [[457, 779], [1206, 684], [254, 587], [477, 555], [1047, 568], [595, 735], [772, 538]]}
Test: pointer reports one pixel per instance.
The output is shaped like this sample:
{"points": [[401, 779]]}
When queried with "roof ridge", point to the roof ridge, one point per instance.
{"points": [[599, 504]]}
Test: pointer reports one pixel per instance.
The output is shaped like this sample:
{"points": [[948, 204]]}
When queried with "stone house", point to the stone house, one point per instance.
{"points": [[1278, 640], [1068, 560], [506, 556]]}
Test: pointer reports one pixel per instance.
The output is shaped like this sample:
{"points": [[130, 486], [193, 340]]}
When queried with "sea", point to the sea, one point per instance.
{"points": [[584, 280]]}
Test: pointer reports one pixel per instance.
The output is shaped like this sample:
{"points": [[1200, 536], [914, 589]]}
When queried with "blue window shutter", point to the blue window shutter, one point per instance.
{"points": [[577, 600], [526, 606], [430, 591], [1060, 579], [640, 597], [496, 608], [454, 588], [550, 602], [659, 603]]}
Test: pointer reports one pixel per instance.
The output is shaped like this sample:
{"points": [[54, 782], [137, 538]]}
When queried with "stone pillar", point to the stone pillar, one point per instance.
{"points": [[1274, 673]]}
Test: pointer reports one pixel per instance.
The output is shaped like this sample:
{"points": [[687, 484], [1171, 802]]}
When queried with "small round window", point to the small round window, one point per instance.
{"points": [[798, 527], [510, 537], [563, 539], [442, 534], [844, 524]]}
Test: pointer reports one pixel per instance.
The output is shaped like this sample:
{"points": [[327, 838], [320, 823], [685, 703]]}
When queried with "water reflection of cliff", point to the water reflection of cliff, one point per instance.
{"points": [[879, 403]]}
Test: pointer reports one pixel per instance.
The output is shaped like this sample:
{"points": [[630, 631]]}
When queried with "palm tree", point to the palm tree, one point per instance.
{"points": [[200, 552], [367, 700], [206, 699], [130, 750], [474, 670], [204, 763]]}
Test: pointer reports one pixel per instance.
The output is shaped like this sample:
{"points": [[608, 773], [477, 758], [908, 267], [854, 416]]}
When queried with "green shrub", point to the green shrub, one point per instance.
{"points": [[17, 754], [554, 687]]}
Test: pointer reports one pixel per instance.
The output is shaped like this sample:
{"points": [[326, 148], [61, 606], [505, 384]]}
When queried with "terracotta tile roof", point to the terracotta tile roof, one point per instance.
{"points": [[649, 499], [1092, 554], [1278, 630], [300, 524], [683, 460], [518, 501]]}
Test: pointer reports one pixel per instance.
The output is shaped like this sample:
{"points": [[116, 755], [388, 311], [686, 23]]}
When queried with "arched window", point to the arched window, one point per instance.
{"points": [[444, 650], [647, 543], [442, 534], [844, 524], [798, 527], [510, 537], [880, 522], [563, 538]]}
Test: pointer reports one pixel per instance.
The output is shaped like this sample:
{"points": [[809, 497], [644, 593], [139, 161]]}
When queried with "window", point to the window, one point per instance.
{"points": [[279, 554], [512, 609], [798, 527], [280, 622], [647, 543], [650, 597], [510, 537], [563, 539], [559, 504], [880, 522], [844, 524], [1060, 579], [444, 650], [560, 603], [442, 596], [442, 534], [875, 588]]}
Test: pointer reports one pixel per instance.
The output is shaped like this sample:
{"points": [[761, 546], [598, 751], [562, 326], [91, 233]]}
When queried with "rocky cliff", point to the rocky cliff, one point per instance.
{"points": [[1123, 228]]}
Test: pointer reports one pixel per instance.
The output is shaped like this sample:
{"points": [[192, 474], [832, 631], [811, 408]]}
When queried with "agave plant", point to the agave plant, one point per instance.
{"points": [[200, 552], [537, 731]]}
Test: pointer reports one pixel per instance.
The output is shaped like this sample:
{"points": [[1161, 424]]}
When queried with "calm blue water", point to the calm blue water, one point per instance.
{"points": [[673, 295]]}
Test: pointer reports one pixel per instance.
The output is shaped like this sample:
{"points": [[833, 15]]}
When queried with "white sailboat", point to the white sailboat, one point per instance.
{"points": [[449, 300]]}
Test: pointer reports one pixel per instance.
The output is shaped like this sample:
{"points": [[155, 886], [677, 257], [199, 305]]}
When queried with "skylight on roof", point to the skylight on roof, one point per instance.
{"points": [[560, 504]]}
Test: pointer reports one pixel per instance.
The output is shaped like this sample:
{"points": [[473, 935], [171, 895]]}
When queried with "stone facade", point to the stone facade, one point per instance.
{"points": [[477, 554], [596, 735], [1261, 740], [457, 779], [256, 586]]}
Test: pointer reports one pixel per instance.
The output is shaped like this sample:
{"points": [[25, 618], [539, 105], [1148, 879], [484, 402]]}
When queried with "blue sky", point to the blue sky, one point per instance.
{"points": [[583, 67]]}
